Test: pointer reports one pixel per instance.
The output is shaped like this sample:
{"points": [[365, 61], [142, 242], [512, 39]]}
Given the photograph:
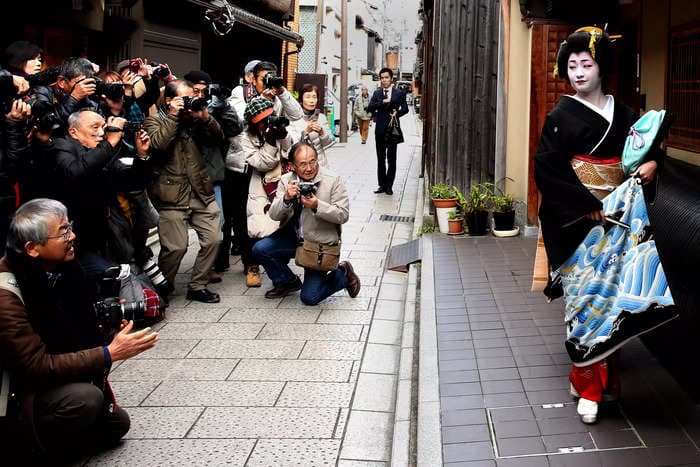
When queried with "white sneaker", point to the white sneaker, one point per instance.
{"points": [[587, 410]]}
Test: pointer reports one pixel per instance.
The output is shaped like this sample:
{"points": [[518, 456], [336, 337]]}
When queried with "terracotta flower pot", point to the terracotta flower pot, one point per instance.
{"points": [[456, 226], [445, 203]]}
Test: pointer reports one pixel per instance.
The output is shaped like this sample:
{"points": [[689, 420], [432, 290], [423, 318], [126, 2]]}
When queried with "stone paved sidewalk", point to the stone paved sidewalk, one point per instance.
{"points": [[503, 385], [251, 381]]}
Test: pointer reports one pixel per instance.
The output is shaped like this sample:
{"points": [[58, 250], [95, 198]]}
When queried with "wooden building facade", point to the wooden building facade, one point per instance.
{"points": [[459, 56]]}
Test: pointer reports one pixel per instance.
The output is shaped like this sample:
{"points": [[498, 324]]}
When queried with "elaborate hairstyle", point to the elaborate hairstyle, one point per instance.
{"points": [[589, 39]]}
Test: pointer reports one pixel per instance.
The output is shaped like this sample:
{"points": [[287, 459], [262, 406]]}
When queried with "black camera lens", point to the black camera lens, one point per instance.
{"points": [[195, 104], [277, 121], [273, 82]]}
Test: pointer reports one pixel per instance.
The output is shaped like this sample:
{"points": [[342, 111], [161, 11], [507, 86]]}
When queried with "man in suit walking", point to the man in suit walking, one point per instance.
{"points": [[386, 102]]}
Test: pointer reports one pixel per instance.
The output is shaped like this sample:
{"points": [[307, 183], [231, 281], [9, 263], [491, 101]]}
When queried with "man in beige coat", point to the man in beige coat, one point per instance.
{"points": [[316, 217], [182, 191]]}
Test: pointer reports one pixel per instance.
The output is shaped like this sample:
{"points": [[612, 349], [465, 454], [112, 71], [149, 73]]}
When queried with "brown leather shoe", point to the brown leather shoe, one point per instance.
{"points": [[252, 276], [353, 287], [284, 289]]}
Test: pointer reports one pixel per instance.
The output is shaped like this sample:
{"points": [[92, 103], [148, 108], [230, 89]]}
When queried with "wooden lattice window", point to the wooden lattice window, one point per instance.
{"points": [[684, 87]]}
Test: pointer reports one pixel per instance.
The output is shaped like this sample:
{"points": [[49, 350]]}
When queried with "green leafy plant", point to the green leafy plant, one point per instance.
{"points": [[502, 201], [479, 197], [455, 215], [443, 191], [426, 228]]}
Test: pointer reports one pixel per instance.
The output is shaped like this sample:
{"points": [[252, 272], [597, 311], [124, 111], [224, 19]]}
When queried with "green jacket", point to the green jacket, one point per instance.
{"points": [[180, 168]]}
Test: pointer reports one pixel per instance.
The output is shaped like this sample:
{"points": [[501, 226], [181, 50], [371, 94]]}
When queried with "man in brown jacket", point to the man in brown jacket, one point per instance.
{"points": [[182, 191], [50, 345]]}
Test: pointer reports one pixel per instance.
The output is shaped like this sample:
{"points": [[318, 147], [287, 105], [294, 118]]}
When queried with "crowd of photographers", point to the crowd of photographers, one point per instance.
{"points": [[90, 161]]}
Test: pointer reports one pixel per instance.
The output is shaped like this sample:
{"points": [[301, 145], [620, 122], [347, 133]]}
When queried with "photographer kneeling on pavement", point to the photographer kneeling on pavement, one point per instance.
{"points": [[315, 203], [50, 343]]}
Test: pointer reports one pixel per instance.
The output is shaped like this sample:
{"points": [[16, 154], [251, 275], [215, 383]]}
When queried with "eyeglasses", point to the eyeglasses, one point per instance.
{"points": [[306, 165], [65, 235]]}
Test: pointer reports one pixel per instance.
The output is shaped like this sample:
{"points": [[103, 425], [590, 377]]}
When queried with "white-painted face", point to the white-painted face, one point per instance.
{"points": [[584, 73]]}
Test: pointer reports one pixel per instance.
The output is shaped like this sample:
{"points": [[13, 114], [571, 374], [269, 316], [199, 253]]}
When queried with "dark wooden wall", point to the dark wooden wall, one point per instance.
{"points": [[459, 95]]}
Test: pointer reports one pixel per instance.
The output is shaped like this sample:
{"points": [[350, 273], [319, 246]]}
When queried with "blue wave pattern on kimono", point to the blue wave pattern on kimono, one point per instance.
{"points": [[613, 271]]}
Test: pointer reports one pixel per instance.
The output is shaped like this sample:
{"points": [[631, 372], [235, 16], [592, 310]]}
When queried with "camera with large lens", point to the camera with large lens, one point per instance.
{"points": [[44, 116], [132, 127], [277, 122], [160, 70], [112, 91], [195, 104], [110, 310], [307, 189], [272, 81]]}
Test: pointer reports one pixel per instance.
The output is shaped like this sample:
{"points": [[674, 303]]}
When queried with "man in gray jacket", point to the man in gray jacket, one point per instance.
{"points": [[316, 217]]}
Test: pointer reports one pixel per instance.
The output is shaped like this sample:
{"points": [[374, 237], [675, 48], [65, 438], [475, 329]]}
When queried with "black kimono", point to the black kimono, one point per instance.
{"points": [[573, 128]]}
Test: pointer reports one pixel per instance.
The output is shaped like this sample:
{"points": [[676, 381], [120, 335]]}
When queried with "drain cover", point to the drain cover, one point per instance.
{"points": [[390, 218], [551, 429]]}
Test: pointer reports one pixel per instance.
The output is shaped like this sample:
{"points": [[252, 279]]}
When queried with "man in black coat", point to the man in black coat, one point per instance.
{"points": [[386, 102], [87, 163]]}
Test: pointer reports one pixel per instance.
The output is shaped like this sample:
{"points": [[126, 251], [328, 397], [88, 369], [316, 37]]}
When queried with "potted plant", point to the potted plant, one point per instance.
{"points": [[445, 201], [503, 214], [476, 207], [455, 220]]}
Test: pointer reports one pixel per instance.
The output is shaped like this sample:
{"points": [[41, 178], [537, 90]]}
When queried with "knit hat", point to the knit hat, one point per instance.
{"points": [[258, 109], [198, 77], [249, 66]]}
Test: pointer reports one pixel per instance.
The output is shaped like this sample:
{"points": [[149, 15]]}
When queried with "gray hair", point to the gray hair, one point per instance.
{"points": [[29, 222], [75, 118]]}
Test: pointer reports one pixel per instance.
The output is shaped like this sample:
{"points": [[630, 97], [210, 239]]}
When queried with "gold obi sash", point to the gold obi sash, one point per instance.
{"points": [[600, 176]]}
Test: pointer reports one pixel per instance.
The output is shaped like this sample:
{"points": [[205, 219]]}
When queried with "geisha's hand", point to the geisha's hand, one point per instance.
{"points": [[646, 172], [598, 216]]}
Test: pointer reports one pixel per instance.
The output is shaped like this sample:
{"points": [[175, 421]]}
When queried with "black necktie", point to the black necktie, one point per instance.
{"points": [[386, 94]]}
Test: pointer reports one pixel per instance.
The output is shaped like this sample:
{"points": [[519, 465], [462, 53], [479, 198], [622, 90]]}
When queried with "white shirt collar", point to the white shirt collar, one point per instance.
{"points": [[606, 112]]}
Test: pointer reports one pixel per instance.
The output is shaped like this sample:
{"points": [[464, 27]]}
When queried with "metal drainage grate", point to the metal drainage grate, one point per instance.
{"points": [[551, 429], [390, 218]]}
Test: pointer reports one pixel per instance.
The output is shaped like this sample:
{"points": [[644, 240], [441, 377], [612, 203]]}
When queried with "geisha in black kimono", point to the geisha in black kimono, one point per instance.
{"points": [[576, 166]]}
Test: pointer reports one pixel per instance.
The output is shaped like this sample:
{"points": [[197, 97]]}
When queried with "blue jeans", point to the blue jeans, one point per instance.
{"points": [[274, 252], [219, 202]]}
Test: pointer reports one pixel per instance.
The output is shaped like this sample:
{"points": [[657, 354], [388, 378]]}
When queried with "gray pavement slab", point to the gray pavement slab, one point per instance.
{"points": [[503, 374], [252, 381]]}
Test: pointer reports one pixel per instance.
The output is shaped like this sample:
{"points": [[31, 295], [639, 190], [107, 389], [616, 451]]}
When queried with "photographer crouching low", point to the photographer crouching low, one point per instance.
{"points": [[315, 203], [50, 342]]}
